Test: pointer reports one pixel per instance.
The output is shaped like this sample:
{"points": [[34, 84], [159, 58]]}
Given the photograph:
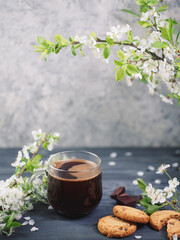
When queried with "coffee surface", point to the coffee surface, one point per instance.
{"points": [[77, 189], [75, 169]]}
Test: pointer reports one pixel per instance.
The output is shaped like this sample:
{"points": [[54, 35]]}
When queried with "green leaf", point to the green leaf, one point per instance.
{"points": [[101, 45], [15, 224], [80, 49], [165, 33], [42, 41], [10, 220], [39, 48], [141, 183], [93, 35], [73, 50], [153, 2], [159, 44], [132, 69], [152, 208], [162, 8], [130, 36], [121, 54], [145, 202], [120, 74], [131, 12], [109, 40], [145, 24], [140, 2], [170, 29], [106, 52], [42, 55], [36, 159], [118, 63], [59, 38]]}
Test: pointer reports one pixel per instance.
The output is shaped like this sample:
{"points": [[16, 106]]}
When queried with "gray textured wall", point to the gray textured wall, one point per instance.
{"points": [[74, 95]]}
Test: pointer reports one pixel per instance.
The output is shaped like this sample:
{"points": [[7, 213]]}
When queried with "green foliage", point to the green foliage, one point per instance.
{"points": [[160, 44], [142, 185], [109, 41], [130, 37], [101, 45], [120, 74], [73, 50], [106, 52], [10, 224], [132, 69], [145, 24], [131, 12], [121, 54], [162, 8]]}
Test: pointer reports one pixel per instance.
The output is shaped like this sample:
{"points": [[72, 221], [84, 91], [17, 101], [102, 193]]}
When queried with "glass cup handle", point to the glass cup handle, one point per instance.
{"points": [[40, 197]]}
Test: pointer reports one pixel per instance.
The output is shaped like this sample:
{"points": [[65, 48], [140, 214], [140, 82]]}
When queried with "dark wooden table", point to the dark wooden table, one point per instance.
{"points": [[53, 226]]}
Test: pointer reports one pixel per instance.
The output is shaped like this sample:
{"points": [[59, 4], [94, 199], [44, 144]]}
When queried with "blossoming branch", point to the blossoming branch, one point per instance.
{"points": [[155, 60], [157, 198], [17, 192]]}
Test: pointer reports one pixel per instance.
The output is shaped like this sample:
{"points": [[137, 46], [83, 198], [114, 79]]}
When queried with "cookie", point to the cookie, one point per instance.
{"points": [[159, 219], [112, 226], [173, 227], [131, 214]]}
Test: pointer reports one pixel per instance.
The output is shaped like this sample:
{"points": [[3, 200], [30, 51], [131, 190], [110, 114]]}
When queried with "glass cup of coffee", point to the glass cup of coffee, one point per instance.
{"points": [[74, 186]]}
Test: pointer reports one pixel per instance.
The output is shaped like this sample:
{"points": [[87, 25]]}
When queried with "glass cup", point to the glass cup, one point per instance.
{"points": [[74, 182]]}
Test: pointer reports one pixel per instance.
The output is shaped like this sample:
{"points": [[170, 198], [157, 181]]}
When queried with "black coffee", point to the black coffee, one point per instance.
{"points": [[75, 193]]}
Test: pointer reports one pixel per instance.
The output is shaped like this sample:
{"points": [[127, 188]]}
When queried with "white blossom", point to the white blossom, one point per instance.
{"points": [[116, 33], [168, 191], [166, 99], [33, 147], [37, 134], [18, 162], [162, 168], [81, 39], [25, 152], [173, 184]]}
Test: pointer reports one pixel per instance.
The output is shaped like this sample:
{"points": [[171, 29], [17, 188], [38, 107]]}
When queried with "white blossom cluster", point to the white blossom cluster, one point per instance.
{"points": [[161, 195], [90, 42], [16, 192], [13, 199], [38, 136], [156, 70]]}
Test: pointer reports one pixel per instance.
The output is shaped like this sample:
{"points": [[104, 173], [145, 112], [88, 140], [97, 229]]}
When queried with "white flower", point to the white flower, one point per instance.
{"points": [[33, 147], [116, 33], [50, 145], [37, 134], [150, 190], [173, 184], [25, 152], [166, 99], [168, 191], [162, 168], [170, 53], [149, 13], [56, 134], [150, 66], [18, 162], [81, 39]]}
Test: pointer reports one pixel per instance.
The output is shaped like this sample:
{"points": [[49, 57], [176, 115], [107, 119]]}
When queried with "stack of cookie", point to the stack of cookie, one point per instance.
{"points": [[125, 219], [123, 223]]}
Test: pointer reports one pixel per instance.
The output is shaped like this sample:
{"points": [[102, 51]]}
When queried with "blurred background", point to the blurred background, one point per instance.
{"points": [[76, 96]]}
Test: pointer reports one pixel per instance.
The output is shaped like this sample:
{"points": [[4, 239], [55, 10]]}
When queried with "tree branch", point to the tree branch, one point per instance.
{"points": [[154, 55]]}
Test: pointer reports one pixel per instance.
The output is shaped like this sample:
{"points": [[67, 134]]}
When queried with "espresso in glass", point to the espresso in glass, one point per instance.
{"points": [[74, 182]]}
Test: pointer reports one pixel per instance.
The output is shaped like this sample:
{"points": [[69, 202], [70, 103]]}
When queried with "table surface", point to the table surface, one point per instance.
{"points": [[53, 226]]}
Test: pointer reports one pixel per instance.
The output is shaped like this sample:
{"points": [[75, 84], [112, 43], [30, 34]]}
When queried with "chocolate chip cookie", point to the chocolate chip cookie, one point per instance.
{"points": [[131, 214], [159, 219], [112, 226]]}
